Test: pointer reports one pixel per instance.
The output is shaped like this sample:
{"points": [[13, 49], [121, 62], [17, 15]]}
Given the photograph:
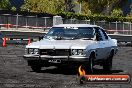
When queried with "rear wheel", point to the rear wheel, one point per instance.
{"points": [[107, 65]]}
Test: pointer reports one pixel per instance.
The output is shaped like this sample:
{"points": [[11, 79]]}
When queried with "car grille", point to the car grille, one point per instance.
{"points": [[57, 52]]}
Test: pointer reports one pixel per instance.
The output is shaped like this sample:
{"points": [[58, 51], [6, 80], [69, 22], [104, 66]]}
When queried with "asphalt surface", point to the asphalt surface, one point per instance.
{"points": [[14, 72]]}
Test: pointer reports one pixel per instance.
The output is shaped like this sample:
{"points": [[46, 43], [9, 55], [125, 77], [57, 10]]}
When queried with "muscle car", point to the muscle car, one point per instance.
{"points": [[72, 45]]}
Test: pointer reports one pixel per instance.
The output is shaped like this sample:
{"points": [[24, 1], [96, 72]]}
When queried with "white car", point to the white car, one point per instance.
{"points": [[72, 45]]}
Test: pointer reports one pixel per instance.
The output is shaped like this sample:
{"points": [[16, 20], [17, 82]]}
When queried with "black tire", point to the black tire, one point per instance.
{"points": [[81, 80], [88, 66], [107, 64], [36, 68]]}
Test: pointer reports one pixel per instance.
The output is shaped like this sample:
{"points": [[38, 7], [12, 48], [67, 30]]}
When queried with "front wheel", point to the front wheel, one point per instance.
{"points": [[107, 65], [36, 68], [88, 66]]}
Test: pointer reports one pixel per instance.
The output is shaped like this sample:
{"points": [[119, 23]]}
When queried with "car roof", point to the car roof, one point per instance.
{"points": [[75, 25]]}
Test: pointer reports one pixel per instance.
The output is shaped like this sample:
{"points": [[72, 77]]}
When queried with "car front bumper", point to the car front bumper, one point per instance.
{"points": [[59, 58]]}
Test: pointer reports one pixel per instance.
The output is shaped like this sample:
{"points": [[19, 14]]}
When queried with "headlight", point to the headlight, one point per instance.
{"points": [[33, 51], [26, 51], [78, 52], [30, 51], [74, 52], [36, 51]]}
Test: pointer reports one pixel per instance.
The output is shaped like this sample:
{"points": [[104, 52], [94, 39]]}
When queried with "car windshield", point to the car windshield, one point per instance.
{"points": [[70, 33]]}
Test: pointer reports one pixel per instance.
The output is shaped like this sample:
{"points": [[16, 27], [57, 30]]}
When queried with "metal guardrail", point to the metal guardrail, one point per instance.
{"points": [[121, 37], [23, 35], [20, 37]]}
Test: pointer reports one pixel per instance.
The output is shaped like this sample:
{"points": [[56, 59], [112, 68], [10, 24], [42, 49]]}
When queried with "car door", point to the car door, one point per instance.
{"points": [[107, 47], [101, 44]]}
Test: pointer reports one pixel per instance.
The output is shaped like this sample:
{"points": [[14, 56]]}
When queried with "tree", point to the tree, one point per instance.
{"points": [[46, 6], [83, 7], [98, 6], [130, 10], [69, 5], [117, 12], [92, 6], [5, 4], [13, 8]]}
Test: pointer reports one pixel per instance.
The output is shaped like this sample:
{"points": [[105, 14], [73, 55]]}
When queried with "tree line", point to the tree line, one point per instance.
{"points": [[87, 7]]}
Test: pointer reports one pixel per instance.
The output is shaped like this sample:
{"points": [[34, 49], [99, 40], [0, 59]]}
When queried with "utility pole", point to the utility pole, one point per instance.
{"points": [[17, 21], [80, 6]]}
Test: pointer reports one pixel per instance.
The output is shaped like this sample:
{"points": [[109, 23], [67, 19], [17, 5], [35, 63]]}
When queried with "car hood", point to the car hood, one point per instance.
{"points": [[61, 44]]}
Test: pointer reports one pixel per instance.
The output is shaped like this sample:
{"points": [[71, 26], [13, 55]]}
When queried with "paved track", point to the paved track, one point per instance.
{"points": [[14, 71]]}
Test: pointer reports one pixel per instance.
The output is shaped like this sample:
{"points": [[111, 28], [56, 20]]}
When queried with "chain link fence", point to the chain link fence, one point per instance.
{"points": [[34, 22], [27, 22]]}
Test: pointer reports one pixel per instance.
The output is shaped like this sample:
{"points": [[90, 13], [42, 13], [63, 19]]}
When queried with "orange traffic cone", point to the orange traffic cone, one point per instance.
{"points": [[4, 42], [29, 41]]}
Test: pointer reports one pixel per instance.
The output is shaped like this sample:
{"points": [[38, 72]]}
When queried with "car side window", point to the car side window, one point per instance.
{"points": [[105, 35], [98, 35]]}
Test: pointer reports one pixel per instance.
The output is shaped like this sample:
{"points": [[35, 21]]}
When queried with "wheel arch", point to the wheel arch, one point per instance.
{"points": [[92, 53], [112, 51]]}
